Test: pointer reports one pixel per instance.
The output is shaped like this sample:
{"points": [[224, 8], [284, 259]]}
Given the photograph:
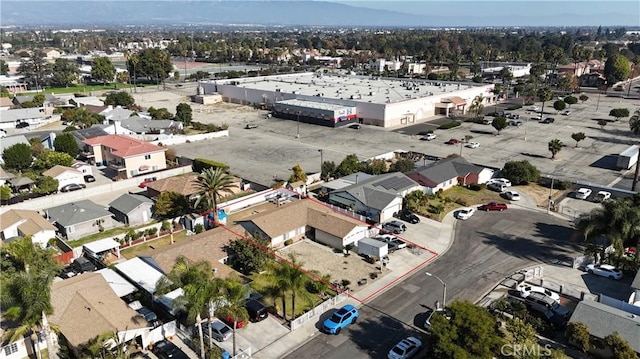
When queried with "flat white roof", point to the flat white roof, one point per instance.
{"points": [[140, 273], [120, 286], [167, 299], [101, 245], [311, 104], [359, 88]]}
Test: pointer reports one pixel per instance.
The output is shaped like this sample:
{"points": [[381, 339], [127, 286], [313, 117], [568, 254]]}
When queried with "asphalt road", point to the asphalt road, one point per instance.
{"points": [[488, 247]]}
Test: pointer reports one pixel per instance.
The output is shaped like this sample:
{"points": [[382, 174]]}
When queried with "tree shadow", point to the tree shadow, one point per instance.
{"points": [[532, 155], [614, 139], [608, 162], [483, 132], [373, 336]]}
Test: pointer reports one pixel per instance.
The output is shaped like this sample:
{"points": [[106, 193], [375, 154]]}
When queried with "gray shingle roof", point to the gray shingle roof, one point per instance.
{"points": [[76, 212], [378, 191], [140, 125], [10, 141], [603, 320], [21, 114], [23, 99], [128, 202], [445, 170], [87, 133], [117, 114]]}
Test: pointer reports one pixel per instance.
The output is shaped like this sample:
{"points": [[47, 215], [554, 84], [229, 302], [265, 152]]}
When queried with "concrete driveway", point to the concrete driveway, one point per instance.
{"points": [[255, 335]]}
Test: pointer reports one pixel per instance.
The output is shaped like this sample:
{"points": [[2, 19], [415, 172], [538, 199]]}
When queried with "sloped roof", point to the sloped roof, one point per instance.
{"points": [[87, 133], [184, 185], [444, 170], [21, 181], [141, 273], [138, 124], [24, 98], [378, 191], [124, 146], [4, 175], [76, 212], [128, 202], [88, 100], [602, 320], [57, 170], [85, 307], [116, 113], [98, 110], [33, 222], [21, 114], [10, 141]]}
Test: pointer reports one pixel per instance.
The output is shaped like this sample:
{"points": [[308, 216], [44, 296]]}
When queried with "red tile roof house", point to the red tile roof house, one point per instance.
{"points": [[126, 155]]}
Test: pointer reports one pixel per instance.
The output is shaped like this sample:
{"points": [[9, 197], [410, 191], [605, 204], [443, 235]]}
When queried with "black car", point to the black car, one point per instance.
{"points": [[256, 310], [167, 350], [355, 126], [22, 125], [548, 120], [407, 216], [89, 178], [72, 187], [250, 126]]}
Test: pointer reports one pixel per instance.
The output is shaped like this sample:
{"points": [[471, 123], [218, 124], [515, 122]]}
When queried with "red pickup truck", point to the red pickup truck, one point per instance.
{"points": [[493, 206]]}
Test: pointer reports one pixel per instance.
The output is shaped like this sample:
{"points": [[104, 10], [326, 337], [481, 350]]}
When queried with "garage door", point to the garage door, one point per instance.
{"points": [[328, 239]]}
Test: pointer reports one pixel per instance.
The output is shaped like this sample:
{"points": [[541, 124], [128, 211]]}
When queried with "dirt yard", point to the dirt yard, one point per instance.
{"points": [[539, 193], [315, 256]]}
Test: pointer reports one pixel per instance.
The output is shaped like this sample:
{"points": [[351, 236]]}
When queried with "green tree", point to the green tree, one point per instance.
{"points": [[18, 157], [329, 169], [160, 113], [616, 68], [5, 193], [578, 335], [583, 98], [618, 113], [102, 70], [555, 146], [176, 75], [616, 220], [620, 347], [212, 185], [35, 70], [403, 165], [499, 123], [235, 295], [80, 116], [48, 159], [520, 172], [250, 255], [602, 123], [46, 184], [184, 113], [559, 105], [120, 98], [634, 125], [153, 64], [375, 167], [66, 143], [578, 136], [64, 72], [544, 94], [471, 332], [171, 204], [477, 105], [4, 68], [298, 174], [350, 164], [570, 100]]}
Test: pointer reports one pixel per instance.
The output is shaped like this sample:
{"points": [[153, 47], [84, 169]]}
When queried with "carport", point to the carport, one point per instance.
{"points": [[98, 248]]}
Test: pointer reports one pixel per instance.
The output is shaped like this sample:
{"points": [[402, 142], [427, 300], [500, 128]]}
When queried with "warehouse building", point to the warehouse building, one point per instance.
{"points": [[338, 100]]}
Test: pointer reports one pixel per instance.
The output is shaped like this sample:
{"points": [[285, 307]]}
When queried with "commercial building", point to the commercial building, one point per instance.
{"points": [[338, 100]]}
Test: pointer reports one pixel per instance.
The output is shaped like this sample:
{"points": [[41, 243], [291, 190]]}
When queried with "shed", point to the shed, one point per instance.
{"points": [[372, 248], [97, 248]]}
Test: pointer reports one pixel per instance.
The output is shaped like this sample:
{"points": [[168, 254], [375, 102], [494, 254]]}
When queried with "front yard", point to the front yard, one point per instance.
{"points": [[436, 206]]}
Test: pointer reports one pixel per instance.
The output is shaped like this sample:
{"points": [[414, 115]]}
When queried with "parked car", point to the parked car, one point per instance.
{"points": [[3, 134], [395, 227], [146, 181], [513, 116], [487, 121], [408, 216], [512, 195], [493, 206], [405, 349], [394, 242], [465, 213], [72, 187], [548, 120], [527, 289], [534, 108], [565, 112], [340, 319], [219, 330], [355, 126], [497, 186], [542, 302], [537, 118], [148, 315], [452, 141], [228, 320], [428, 137], [256, 310], [602, 196], [515, 123], [250, 126], [83, 264], [583, 193], [167, 350], [604, 270], [89, 178], [22, 124], [473, 144], [67, 123], [504, 181]]}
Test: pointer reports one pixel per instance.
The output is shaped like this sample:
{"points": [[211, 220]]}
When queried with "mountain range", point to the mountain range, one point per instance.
{"points": [[286, 13]]}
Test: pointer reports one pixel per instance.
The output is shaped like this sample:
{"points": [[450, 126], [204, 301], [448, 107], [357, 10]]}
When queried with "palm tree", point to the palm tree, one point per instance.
{"points": [[634, 124], [200, 288], [544, 94], [555, 146], [477, 105], [278, 275], [297, 281], [235, 295], [212, 185], [618, 220]]}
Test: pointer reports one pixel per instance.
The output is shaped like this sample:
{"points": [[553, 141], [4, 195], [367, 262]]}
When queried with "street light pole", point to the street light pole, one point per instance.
{"points": [[298, 134], [550, 194], [444, 291], [321, 161]]}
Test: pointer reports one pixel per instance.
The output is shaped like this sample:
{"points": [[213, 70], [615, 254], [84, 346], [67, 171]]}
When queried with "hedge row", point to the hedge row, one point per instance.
{"points": [[449, 125], [201, 164]]}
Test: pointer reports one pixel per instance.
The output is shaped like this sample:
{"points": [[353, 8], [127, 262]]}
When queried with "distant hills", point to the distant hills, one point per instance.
{"points": [[285, 13]]}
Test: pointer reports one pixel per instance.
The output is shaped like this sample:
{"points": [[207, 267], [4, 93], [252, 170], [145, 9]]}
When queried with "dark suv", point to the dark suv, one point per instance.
{"points": [[256, 310], [407, 216]]}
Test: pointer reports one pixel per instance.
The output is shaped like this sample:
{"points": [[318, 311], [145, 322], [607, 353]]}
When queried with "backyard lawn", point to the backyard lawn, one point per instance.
{"points": [[147, 247], [81, 89], [106, 234]]}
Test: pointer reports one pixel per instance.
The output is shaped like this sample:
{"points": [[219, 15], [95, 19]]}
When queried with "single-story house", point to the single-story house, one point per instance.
{"points": [[64, 175], [449, 172], [185, 185], [10, 141], [5, 176], [19, 100], [602, 320], [83, 167], [344, 182], [117, 113], [131, 209], [141, 125], [22, 223], [77, 219], [377, 197], [83, 101], [31, 116], [300, 218], [85, 307]]}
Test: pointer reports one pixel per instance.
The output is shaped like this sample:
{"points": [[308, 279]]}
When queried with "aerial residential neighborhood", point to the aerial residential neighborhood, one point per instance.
{"points": [[249, 189]]}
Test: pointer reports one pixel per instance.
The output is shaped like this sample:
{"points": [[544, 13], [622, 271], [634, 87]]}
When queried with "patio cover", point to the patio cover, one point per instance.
{"points": [[140, 273], [101, 246], [119, 285]]}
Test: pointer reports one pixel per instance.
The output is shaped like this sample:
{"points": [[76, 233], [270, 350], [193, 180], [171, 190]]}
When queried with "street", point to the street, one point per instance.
{"points": [[488, 247]]}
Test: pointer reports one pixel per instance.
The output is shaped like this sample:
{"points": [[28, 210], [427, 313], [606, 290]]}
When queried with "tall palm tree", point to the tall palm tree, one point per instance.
{"points": [[555, 146], [278, 275], [235, 294], [617, 219], [213, 184], [477, 105], [634, 124], [544, 94], [297, 281]]}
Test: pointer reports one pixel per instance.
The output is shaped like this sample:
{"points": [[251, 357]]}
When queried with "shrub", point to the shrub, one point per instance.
{"points": [[424, 133], [201, 164], [449, 125], [475, 187], [165, 225], [199, 126], [288, 242], [514, 107], [198, 228], [345, 282], [520, 172], [477, 120], [151, 231], [461, 201]]}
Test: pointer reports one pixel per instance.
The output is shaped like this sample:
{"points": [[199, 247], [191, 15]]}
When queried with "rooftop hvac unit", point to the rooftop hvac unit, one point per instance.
{"points": [[277, 90], [351, 97], [294, 92], [372, 93]]}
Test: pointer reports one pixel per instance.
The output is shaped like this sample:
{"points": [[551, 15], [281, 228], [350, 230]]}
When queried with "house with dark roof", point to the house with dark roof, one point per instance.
{"points": [[449, 172], [126, 155], [85, 134], [131, 209], [5, 176], [305, 218], [377, 197], [20, 223], [602, 320], [77, 219]]}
